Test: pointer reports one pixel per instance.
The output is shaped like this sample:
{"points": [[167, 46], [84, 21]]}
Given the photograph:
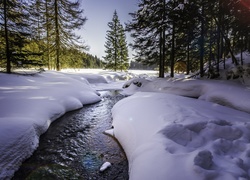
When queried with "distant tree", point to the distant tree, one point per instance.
{"points": [[137, 65], [116, 46], [90, 61]]}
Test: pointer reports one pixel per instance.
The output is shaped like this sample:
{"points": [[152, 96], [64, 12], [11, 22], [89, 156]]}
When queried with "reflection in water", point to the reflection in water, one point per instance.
{"points": [[91, 162], [75, 147]]}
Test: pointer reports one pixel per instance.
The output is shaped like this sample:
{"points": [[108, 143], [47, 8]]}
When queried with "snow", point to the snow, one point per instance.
{"points": [[29, 104], [172, 128], [222, 92], [105, 166], [184, 129]]}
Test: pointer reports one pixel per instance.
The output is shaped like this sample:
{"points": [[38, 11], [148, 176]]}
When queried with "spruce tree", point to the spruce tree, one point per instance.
{"points": [[116, 46], [56, 22], [14, 28], [148, 28], [67, 18]]}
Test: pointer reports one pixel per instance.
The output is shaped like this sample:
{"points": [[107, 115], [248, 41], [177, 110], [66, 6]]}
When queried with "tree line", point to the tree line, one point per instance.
{"points": [[42, 32], [191, 32]]}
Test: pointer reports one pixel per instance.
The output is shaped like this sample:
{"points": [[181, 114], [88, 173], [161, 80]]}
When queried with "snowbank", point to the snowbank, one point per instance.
{"points": [[29, 103], [227, 93], [172, 137], [184, 129]]}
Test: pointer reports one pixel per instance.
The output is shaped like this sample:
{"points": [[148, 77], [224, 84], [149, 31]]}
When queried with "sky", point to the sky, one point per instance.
{"points": [[99, 13]]}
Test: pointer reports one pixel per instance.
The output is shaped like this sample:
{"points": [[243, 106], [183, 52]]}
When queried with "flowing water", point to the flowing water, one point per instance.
{"points": [[74, 147]]}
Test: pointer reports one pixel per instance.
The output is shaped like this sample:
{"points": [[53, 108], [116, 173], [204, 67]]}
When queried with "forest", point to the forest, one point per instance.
{"points": [[190, 35], [41, 33], [175, 35]]}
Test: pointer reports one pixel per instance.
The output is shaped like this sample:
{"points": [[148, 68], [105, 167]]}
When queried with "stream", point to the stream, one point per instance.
{"points": [[74, 147]]}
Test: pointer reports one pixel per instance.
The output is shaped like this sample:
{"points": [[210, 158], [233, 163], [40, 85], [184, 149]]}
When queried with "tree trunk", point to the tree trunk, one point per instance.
{"points": [[227, 41], [218, 48], [57, 37], [172, 50], [188, 57], [202, 42], [162, 42], [47, 35], [163, 50], [161, 65], [188, 51], [7, 48], [210, 51], [163, 38], [241, 49], [115, 68]]}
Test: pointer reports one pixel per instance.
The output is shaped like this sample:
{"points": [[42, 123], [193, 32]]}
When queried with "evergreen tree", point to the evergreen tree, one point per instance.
{"points": [[14, 28], [29, 29], [116, 46], [91, 61], [154, 33], [55, 23], [67, 18], [196, 32], [42, 18], [148, 29]]}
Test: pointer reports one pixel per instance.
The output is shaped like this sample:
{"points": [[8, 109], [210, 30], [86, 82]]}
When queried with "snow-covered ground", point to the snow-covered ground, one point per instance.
{"points": [[29, 103], [186, 128], [168, 136], [169, 128]]}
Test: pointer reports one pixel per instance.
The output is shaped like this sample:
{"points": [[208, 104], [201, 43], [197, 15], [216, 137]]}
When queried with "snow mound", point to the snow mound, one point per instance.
{"points": [[222, 92], [172, 137], [92, 79], [29, 104]]}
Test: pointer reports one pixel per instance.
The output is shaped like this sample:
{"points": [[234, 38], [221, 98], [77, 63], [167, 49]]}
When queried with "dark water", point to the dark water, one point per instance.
{"points": [[74, 147]]}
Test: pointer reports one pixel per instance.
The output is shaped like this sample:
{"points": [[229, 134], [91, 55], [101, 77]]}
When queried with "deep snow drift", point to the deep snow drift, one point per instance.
{"points": [[186, 128], [166, 136], [30, 102], [28, 106]]}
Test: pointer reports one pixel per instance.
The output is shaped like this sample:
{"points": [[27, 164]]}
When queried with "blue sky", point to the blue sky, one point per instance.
{"points": [[99, 13]]}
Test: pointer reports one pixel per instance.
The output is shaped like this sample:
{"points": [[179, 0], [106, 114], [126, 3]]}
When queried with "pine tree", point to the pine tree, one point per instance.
{"points": [[148, 28], [116, 46], [197, 32], [42, 16], [67, 18], [56, 22], [123, 50], [14, 27]]}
